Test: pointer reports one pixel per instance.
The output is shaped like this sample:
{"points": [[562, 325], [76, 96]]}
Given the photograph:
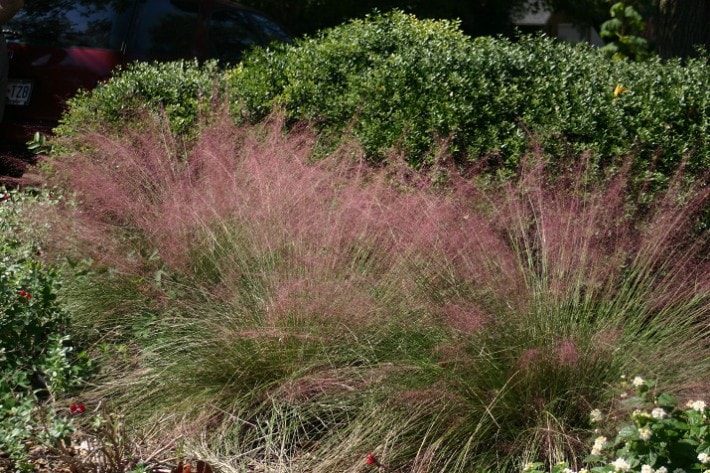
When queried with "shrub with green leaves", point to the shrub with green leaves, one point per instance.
{"points": [[659, 437], [397, 81], [623, 31], [35, 352], [179, 89]]}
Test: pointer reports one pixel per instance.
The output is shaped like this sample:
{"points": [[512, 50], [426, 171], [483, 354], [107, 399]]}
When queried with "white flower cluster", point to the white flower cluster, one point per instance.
{"points": [[596, 416], [659, 413], [598, 446], [621, 465], [663, 469], [645, 433], [704, 458], [698, 405], [638, 381]]}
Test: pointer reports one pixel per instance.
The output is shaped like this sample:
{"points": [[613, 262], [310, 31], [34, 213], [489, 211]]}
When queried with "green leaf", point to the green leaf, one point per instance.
{"points": [[667, 401]]}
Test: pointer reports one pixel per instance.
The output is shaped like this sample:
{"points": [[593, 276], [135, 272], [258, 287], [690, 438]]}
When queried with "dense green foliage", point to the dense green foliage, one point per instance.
{"points": [[36, 356], [658, 436], [399, 81], [179, 89]]}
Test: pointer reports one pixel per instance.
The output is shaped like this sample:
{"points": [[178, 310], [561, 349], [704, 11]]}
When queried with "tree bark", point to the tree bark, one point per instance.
{"points": [[681, 25]]}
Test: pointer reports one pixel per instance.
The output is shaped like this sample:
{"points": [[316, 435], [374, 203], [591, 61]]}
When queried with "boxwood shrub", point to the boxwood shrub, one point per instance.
{"points": [[395, 81], [179, 89], [398, 81]]}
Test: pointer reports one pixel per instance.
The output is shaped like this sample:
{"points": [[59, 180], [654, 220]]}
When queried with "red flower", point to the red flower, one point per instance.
{"points": [[77, 408], [24, 294], [371, 459]]}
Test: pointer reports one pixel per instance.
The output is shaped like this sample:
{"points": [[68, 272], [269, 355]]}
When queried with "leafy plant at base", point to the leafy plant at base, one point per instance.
{"points": [[661, 437], [36, 359]]}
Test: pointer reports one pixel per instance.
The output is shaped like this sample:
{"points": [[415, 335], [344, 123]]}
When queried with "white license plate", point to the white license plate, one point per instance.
{"points": [[18, 92]]}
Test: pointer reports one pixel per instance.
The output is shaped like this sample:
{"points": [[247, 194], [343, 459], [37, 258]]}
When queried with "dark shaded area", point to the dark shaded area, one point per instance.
{"points": [[478, 17], [66, 23], [681, 26], [12, 164], [231, 32], [165, 29], [675, 27]]}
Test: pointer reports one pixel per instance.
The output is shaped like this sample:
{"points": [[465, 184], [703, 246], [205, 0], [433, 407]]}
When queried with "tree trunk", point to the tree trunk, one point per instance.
{"points": [[682, 25]]}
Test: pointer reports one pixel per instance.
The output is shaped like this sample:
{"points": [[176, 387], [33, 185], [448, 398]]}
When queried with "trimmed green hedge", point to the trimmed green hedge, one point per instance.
{"points": [[396, 81], [400, 81], [180, 89]]}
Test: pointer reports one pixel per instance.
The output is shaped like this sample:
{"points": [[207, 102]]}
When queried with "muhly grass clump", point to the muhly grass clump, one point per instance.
{"points": [[271, 311]]}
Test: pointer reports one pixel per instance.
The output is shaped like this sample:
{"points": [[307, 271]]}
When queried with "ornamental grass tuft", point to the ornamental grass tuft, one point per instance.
{"points": [[279, 312]]}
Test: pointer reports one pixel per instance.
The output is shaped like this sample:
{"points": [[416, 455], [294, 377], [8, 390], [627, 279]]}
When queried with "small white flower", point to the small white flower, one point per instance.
{"points": [[623, 395], [659, 413], [528, 467], [596, 416], [638, 414], [679, 470], [638, 381], [698, 405], [662, 469], [704, 458], [646, 469], [645, 433], [621, 465], [598, 446], [568, 470], [583, 470]]}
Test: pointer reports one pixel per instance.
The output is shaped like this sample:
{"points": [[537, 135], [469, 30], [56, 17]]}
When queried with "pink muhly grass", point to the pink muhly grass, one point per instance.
{"points": [[325, 217], [468, 320], [567, 353], [534, 280], [535, 256]]}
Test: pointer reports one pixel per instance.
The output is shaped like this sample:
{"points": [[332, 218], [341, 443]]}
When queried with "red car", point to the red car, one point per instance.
{"points": [[57, 47]]}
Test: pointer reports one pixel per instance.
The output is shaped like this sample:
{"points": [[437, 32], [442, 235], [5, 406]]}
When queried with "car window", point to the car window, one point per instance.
{"points": [[231, 33], [65, 23], [165, 29], [270, 30]]}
